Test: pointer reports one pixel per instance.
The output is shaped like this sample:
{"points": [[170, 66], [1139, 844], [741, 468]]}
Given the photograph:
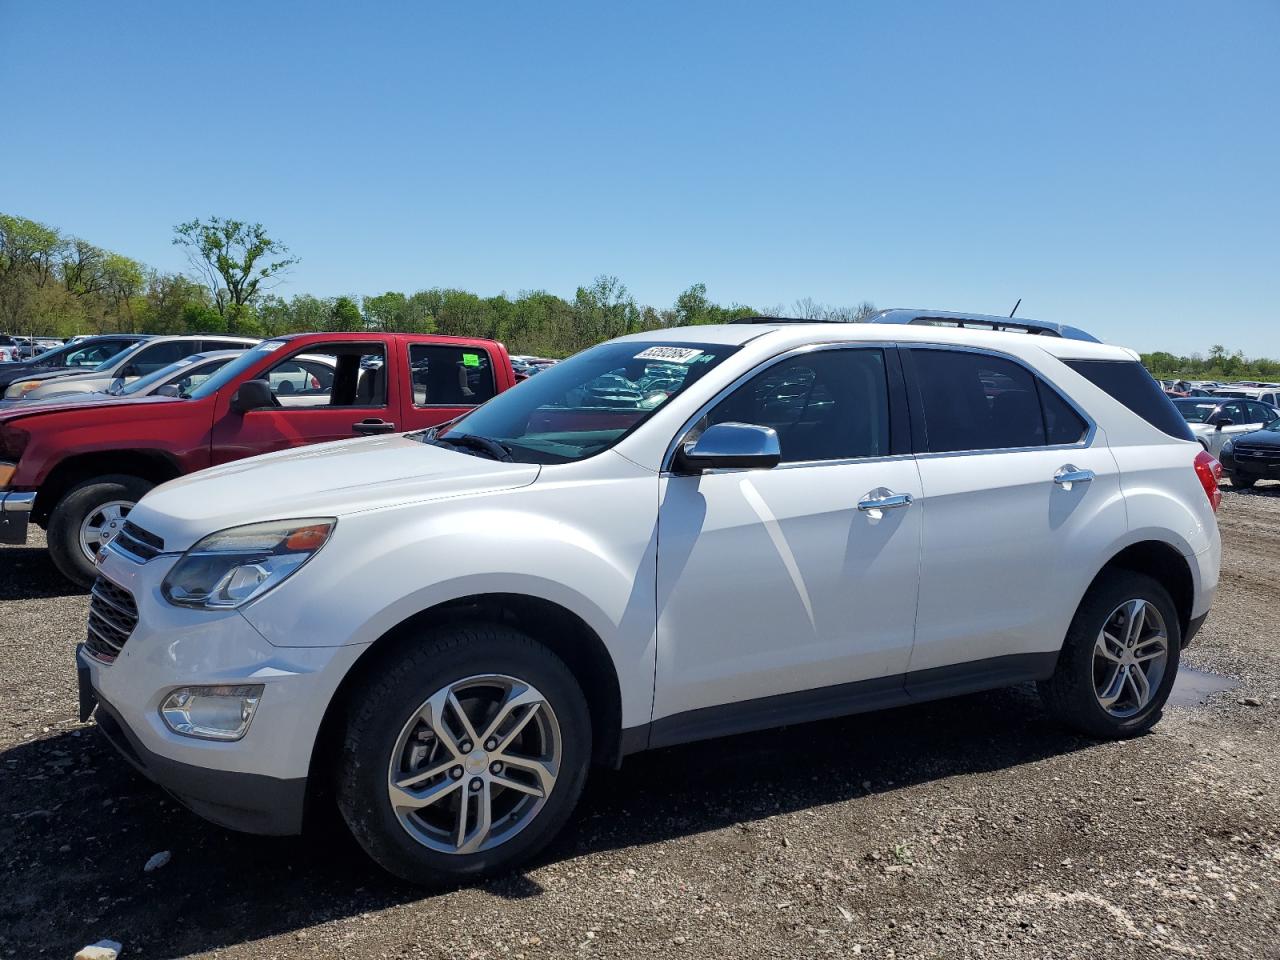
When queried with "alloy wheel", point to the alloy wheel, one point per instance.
{"points": [[1130, 657], [475, 764], [101, 524]]}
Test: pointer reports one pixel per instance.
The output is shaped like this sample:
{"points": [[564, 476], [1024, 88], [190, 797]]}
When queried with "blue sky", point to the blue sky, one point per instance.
{"points": [[1116, 166]]}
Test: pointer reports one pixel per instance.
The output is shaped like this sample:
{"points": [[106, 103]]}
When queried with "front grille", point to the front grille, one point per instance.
{"points": [[112, 617], [138, 543], [1258, 454]]}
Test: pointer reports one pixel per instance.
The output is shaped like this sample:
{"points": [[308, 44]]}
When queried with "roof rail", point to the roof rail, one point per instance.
{"points": [[979, 321]]}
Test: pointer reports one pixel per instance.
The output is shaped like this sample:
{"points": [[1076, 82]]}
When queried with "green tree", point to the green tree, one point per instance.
{"points": [[345, 315], [236, 259]]}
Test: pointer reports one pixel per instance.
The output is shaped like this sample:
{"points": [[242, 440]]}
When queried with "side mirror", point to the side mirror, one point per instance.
{"points": [[253, 395], [168, 390], [1223, 422], [730, 445], [129, 371]]}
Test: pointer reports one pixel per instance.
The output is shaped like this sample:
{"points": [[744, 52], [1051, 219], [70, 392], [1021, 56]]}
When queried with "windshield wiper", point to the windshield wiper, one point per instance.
{"points": [[471, 441]]}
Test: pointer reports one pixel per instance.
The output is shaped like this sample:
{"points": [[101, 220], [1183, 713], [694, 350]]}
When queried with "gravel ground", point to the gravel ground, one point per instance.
{"points": [[971, 827]]}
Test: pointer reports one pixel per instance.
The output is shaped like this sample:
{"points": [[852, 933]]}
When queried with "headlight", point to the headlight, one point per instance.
{"points": [[20, 389], [234, 566]]}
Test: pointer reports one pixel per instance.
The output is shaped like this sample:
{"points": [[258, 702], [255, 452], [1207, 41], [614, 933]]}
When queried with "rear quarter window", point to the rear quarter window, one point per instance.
{"points": [[1128, 382]]}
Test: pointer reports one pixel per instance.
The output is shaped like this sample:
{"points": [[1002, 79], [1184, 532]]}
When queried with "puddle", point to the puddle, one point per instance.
{"points": [[1193, 687]]}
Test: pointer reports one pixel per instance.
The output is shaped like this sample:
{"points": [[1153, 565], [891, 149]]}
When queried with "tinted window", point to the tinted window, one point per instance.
{"points": [[223, 345], [972, 401], [152, 358], [1259, 413], [450, 376], [1128, 382], [828, 405], [1061, 422]]}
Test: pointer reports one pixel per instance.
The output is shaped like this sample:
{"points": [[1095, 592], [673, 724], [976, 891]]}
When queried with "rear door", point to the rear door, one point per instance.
{"points": [[352, 401], [445, 381], [1020, 496]]}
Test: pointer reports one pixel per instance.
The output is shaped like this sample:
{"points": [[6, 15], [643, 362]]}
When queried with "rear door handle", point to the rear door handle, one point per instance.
{"points": [[373, 425], [1070, 474], [876, 502]]}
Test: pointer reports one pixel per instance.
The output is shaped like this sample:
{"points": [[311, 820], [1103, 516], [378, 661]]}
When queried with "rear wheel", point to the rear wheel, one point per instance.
{"points": [[88, 515], [464, 755], [1119, 660]]}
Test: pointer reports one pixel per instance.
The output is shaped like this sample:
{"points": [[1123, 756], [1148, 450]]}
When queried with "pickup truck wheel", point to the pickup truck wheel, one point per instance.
{"points": [[1119, 661], [1242, 481], [464, 754], [83, 516]]}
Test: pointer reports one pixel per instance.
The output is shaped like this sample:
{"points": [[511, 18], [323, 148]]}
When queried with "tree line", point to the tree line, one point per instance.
{"points": [[55, 284]]}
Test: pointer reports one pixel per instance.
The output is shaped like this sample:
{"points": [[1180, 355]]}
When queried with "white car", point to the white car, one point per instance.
{"points": [[443, 630], [1215, 420]]}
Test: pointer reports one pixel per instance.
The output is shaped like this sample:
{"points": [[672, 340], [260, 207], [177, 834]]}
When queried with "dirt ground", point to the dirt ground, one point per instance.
{"points": [[971, 827]]}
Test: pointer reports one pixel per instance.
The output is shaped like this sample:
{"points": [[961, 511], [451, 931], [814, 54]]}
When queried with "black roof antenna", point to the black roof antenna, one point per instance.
{"points": [[1015, 308]]}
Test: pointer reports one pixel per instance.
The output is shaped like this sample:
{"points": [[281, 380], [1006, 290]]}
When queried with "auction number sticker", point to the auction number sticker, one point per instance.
{"points": [[681, 355]]}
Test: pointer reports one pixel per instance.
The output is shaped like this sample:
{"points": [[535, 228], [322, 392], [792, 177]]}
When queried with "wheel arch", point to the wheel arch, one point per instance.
{"points": [[560, 629], [154, 466], [1164, 563]]}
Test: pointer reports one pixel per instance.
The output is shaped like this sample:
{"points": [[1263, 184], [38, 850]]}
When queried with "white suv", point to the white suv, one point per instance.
{"points": [[772, 523]]}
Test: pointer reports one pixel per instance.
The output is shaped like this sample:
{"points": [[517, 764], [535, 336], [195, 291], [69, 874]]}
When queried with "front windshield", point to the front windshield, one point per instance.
{"points": [[142, 384], [586, 404], [235, 368], [1196, 412]]}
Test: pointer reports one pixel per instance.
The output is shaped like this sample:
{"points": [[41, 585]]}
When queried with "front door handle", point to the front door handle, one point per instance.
{"points": [[878, 501], [1070, 474], [373, 425]]}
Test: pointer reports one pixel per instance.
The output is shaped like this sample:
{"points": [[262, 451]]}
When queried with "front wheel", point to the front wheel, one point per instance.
{"points": [[1242, 481], [1119, 660], [87, 516], [464, 755]]}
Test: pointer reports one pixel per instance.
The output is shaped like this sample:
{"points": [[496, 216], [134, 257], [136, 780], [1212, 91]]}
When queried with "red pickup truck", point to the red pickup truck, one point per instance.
{"points": [[77, 470]]}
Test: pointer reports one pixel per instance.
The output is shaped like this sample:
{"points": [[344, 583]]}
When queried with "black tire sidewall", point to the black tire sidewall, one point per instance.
{"points": [[390, 696], [1241, 481], [1078, 654], [69, 513]]}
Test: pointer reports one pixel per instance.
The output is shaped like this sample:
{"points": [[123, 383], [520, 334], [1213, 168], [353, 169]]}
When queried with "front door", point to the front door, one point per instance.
{"points": [[323, 392], [773, 585]]}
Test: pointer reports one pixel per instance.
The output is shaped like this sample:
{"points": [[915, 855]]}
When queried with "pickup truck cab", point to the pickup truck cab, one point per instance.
{"points": [[77, 469]]}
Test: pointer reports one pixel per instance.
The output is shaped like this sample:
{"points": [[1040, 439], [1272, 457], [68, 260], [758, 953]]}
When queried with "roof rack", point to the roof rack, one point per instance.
{"points": [[979, 321], [943, 318]]}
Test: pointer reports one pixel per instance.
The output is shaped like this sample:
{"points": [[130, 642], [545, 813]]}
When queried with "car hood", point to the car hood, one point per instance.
{"points": [[1258, 438], [11, 410], [325, 480]]}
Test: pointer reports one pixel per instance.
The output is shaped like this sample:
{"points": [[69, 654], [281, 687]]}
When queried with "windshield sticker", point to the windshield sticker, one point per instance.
{"points": [[681, 355], [471, 359]]}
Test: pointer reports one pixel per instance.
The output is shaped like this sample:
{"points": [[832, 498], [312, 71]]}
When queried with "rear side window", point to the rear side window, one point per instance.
{"points": [[1128, 382], [450, 376], [973, 401]]}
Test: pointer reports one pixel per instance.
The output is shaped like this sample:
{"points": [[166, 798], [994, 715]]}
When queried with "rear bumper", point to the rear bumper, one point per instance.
{"points": [[250, 802], [15, 513]]}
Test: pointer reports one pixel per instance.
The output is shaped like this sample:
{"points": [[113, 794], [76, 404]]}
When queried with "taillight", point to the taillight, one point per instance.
{"points": [[1209, 470]]}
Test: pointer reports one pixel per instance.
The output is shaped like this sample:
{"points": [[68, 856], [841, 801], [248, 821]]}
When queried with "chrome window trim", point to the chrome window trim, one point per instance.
{"points": [[665, 470], [1084, 443]]}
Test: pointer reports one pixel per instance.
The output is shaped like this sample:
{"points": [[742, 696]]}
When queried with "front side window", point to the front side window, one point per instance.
{"points": [[450, 376], [331, 375], [975, 401], [824, 405], [584, 405]]}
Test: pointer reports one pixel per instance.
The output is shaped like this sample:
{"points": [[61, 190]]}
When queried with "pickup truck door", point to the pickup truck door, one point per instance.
{"points": [[325, 391], [445, 380]]}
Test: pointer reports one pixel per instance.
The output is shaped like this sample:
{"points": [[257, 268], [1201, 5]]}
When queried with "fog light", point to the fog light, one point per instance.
{"points": [[211, 713]]}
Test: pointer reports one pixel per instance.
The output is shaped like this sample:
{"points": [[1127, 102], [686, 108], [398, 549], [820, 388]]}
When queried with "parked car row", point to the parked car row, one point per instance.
{"points": [[670, 536]]}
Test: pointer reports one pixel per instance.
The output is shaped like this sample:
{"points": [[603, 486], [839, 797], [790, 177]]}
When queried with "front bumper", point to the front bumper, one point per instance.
{"points": [[1264, 466], [256, 783], [253, 803], [15, 513]]}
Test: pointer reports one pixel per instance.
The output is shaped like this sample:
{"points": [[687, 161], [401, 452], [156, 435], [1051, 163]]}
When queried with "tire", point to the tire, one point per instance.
{"points": [[76, 506], [1242, 482], [1075, 692], [420, 845]]}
